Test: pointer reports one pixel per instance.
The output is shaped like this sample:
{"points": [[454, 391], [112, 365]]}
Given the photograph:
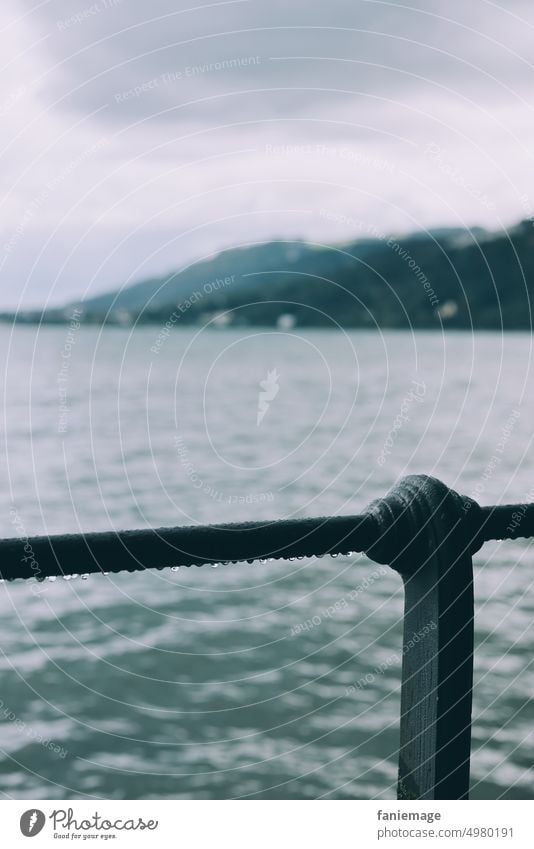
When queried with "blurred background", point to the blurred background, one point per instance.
{"points": [[257, 261]]}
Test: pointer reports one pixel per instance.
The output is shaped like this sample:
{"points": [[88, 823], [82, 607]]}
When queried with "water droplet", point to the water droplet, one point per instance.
{"points": [[67, 577], [175, 568], [85, 576], [291, 559], [52, 578], [74, 576], [300, 557], [105, 573], [334, 555], [214, 565], [263, 561]]}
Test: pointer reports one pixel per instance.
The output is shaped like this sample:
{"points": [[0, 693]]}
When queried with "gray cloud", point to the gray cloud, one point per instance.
{"points": [[184, 55], [140, 136]]}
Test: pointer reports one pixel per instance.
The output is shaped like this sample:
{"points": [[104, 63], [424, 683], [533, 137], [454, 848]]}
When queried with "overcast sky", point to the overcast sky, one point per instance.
{"points": [[138, 136]]}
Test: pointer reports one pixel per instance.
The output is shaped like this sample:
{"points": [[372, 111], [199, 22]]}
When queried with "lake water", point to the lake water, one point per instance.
{"points": [[200, 683]]}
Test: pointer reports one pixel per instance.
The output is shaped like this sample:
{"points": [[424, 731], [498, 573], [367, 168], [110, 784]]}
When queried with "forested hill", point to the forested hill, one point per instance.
{"points": [[456, 278]]}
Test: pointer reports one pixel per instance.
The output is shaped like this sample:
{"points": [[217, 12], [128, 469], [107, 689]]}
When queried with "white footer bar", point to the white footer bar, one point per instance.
{"points": [[267, 824]]}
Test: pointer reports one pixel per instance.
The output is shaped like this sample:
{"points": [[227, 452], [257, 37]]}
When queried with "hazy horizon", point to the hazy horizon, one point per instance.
{"points": [[337, 244], [135, 143]]}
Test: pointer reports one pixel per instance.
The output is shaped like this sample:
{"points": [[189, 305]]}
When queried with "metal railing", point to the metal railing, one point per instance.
{"points": [[421, 528]]}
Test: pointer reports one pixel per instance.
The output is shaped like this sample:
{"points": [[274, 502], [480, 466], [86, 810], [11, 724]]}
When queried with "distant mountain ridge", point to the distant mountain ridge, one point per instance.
{"points": [[168, 290], [461, 278]]}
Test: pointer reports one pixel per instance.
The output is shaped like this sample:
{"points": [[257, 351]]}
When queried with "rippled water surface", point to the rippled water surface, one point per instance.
{"points": [[235, 682]]}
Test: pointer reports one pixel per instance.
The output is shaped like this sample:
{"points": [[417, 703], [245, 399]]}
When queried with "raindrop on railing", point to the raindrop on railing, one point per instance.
{"points": [[175, 568], [51, 578], [85, 576], [334, 555]]}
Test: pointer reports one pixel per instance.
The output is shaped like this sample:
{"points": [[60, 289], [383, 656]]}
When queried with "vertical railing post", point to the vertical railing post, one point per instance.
{"points": [[425, 540]]}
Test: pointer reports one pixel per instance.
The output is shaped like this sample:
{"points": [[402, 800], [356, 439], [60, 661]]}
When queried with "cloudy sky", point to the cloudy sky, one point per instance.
{"points": [[139, 136]]}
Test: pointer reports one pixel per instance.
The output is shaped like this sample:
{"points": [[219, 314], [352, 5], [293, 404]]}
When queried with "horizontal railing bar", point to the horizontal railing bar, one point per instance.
{"points": [[507, 521], [43, 556], [47, 556]]}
